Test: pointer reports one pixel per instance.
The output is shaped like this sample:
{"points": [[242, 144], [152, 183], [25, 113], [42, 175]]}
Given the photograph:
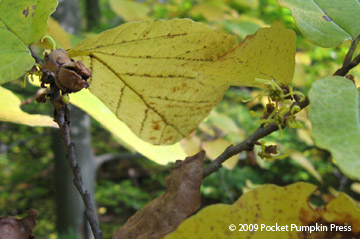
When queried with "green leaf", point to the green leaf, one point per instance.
{"points": [[10, 111], [326, 23], [22, 22], [94, 107], [335, 116], [15, 57], [27, 19], [162, 78]]}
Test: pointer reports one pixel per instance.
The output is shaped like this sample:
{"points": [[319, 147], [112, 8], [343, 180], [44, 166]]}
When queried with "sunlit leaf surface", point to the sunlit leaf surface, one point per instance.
{"points": [[162, 78], [274, 213], [10, 111], [94, 107]]}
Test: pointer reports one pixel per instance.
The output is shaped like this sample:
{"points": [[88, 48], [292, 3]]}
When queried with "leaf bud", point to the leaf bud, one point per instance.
{"points": [[65, 98]]}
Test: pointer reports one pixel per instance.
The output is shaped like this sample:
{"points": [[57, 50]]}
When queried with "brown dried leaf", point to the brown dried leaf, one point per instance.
{"points": [[13, 228], [162, 215]]}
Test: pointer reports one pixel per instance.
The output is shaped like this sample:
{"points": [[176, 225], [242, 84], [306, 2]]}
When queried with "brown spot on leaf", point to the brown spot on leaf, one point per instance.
{"points": [[156, 127], [168, 139], [155, 124]]}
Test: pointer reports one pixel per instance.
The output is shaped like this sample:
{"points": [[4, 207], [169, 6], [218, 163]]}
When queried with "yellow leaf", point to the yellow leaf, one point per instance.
{"points": [[191, 144], [342, 210], [162, 78], [355, 187], [10, 111], [58, 33], [215, 148], [268, 205], [274, 212], [211, 11], [143, 72], [130, 10], [268, 54], [96, 109]]}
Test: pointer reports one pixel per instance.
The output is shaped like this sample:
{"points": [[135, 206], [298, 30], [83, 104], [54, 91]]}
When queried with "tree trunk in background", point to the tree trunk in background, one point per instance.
{"points": [[69, 205], [68, 15], [92, 13]]}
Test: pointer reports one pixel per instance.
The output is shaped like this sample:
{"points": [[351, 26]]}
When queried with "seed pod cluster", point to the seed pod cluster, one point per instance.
{"points": [[70, 76]]}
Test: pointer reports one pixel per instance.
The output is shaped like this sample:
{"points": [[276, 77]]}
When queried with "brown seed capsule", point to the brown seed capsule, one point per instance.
{"points": [[271, 149], [70, 76]]}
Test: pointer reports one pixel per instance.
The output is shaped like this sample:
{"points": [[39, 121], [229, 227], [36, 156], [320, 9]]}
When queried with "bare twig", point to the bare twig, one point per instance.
{"points": [[32, 98], [351, 51], [37, 59], [247, 144], [62, 118], [349, 63]]}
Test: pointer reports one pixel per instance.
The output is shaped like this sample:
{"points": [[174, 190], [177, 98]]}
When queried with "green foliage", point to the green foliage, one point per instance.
{"points": [[334, 113], [26, 174], [22, 23], [16, 59], [326, 23]]}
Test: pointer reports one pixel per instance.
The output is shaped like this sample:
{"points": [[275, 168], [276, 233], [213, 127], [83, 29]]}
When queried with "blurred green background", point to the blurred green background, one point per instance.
{"points": [[126, 181]]}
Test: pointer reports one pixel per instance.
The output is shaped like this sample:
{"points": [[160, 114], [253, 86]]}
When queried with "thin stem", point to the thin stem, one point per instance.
{"points": [[351, 51], [62, 118], [349, 63], [248, 144], [37, 59]]}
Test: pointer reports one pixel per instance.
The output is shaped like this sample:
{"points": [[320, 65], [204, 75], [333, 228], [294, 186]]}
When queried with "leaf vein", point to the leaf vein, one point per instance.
{"points": [[139, 95], [148, 57]]}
